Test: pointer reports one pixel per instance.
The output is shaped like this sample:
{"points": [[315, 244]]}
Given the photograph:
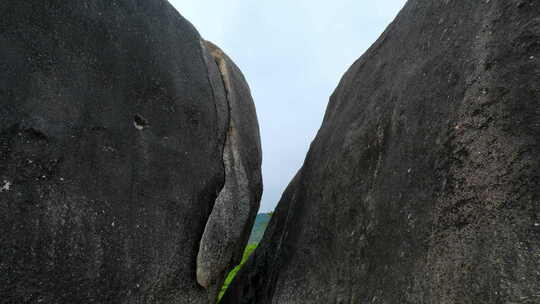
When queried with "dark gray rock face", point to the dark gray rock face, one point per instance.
{"points": [[423, 183], [115, 148]]}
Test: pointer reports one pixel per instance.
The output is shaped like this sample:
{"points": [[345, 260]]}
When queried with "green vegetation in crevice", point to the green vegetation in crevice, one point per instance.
{"points": [[257, 232], [247, 252]]}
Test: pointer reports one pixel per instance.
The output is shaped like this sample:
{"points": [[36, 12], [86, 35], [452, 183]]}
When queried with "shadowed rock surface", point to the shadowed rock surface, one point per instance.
{"points": [[422, 185], [114, 120]]}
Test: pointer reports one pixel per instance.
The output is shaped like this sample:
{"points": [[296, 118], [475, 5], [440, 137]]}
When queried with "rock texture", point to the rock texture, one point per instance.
{"points": [[117, 147], [423, 183], [229, 226]]}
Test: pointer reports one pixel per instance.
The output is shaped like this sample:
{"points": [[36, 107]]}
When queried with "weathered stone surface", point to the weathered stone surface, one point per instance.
{"points": [[114, 120], [422, 185], [229, 225]]}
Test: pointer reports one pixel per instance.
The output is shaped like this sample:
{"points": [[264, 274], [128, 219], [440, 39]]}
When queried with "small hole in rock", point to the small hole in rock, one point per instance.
{"points": [[139, 122]]}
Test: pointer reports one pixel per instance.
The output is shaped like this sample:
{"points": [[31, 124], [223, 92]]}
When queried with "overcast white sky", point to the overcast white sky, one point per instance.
{"points": [[293, 54]]}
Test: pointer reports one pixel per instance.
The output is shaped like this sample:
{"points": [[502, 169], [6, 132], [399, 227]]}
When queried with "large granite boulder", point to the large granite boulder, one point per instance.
{"points": [[121, 141], [423, 183], [228, 229]]}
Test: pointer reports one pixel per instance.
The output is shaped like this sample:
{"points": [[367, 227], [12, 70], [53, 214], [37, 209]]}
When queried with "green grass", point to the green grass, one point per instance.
{"points": [[247, 252]]}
